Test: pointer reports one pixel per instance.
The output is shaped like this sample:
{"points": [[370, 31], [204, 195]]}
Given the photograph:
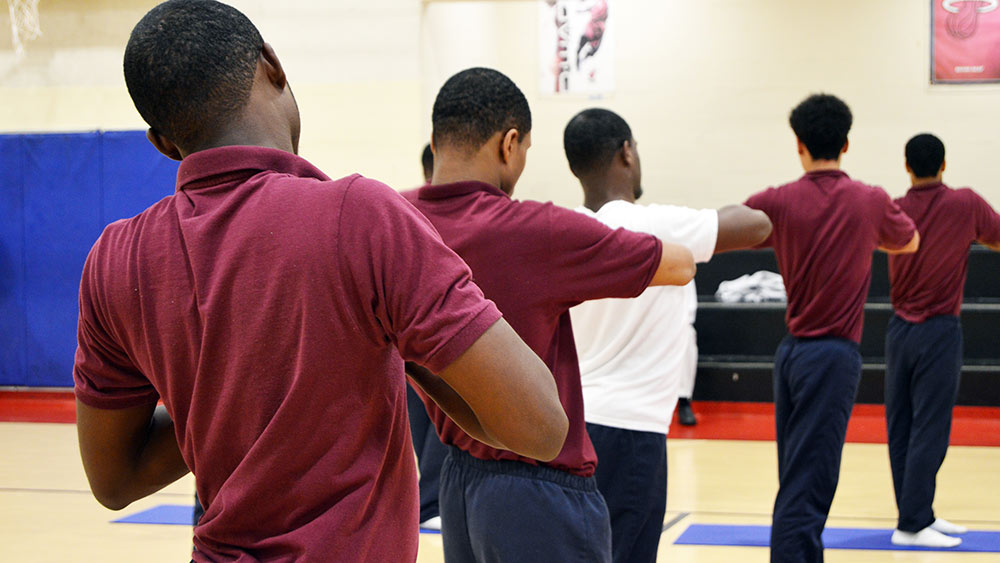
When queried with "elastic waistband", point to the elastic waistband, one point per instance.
{"points": [[821, 339], [521, 469]]}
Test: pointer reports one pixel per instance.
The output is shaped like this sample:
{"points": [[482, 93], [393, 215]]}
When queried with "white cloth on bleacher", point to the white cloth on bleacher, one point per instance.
{"points": [[757, 287]]}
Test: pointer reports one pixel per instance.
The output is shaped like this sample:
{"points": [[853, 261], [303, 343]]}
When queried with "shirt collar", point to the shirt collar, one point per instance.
{"points": [[444, 191], [832, 173], [927, 187], [233, 163]]}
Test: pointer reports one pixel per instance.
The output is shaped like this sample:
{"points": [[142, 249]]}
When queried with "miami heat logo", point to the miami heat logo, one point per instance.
{"points": [[963, 15]]}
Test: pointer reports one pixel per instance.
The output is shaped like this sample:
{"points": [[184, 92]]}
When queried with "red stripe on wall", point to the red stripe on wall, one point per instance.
{"points": [[717, 420]]}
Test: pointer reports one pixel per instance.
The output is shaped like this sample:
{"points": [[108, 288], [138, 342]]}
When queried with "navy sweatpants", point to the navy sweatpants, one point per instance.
{"points": [[430, 454], [509, 511], [923, 365], [632, 477], [815, 383]]}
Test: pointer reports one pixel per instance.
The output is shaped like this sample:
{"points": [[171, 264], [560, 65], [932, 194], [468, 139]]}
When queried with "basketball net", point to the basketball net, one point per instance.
{"points": [[23, 24]]}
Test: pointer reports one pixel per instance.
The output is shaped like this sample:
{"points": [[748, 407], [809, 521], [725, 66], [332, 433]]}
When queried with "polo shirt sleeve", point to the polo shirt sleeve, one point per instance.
{"points": [[896, 228], [583, 259], [986, 219], [766, 201], [423, 298], [697, 229], [104, 376]]}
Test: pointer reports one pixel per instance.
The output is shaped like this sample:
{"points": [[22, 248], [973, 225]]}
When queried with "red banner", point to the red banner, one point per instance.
{"points": [[965, 41]]}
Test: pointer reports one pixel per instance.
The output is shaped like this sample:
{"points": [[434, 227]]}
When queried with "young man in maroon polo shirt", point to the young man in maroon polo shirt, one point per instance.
{"points": [[923, 346], [270, 307], [825, 228], [536, 261]]}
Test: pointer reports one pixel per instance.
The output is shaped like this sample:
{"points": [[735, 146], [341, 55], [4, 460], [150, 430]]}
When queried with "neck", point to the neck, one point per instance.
{"points": [[817, 165], [918, 182], [599, 189], [452, 166]]}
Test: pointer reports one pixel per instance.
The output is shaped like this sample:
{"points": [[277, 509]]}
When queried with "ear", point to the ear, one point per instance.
{"points": [[163, 144], [801, 148], [508, 144], [272, 67], [628, 154], [908, 169], [847, 143], [944, 163]]}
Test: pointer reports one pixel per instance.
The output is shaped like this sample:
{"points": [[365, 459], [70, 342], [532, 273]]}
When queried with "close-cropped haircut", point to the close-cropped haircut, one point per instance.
{"points": [[474, 105], [189, 67], [592, 139], [822, 122], [925, 155]]}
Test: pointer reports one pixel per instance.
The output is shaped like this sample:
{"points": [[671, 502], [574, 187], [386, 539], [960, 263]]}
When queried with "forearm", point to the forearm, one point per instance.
{"points": [[159, 462], [128, 453], [451, 403]]}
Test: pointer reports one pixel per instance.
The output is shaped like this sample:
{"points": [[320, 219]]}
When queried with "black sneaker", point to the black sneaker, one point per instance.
{"points": [[684, 413]]}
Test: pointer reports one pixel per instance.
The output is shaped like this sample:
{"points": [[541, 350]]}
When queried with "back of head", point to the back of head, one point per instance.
{"points": [[822, 122], [925, 155], [189, 67], [592, 139], [474, 105]]}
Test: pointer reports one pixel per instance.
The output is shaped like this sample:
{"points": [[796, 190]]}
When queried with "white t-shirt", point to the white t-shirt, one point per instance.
{"points": [[634, 352]]}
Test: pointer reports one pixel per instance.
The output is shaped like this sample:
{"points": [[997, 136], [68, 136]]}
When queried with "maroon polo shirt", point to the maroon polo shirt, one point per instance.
{"points": [[930, 282], [826, 227], [270, 308], [536, 261]]}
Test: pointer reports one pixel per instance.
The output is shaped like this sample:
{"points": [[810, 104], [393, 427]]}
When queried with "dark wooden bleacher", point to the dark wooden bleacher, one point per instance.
{"points": [[736, 342]]}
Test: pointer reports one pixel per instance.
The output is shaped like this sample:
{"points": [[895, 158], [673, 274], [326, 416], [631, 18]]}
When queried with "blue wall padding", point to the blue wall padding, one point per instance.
{"points": [[57, 192]]}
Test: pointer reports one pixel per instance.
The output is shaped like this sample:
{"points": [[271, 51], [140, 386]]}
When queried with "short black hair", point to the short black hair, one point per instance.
{"points": [[822, 122], [189, 67], [427, 159], [474, 105], [925, 155], [592, 139]]}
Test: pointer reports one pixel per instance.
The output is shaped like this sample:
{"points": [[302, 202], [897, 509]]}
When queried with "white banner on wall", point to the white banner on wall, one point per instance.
{"points": [[577, 46]]}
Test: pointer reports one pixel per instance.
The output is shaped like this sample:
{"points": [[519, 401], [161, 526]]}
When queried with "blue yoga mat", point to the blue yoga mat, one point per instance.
{"points": [[833, 538], [180, 514], [174, 514]]}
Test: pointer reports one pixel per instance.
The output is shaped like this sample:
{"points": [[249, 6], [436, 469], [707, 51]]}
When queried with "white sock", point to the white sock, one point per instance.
{"points": [[946, 527], [432, 524], [928, 537]]}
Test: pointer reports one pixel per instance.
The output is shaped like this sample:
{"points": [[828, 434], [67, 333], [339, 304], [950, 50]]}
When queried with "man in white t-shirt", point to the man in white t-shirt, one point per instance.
{"points": [[633, 352]]}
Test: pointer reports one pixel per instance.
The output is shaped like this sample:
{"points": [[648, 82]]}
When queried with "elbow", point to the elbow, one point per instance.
{"points": [[761, 227], [110, 499], [553, 438]]}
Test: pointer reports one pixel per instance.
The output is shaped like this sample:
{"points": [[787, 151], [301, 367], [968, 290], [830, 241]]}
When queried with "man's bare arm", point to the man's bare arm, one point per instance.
{"points": [[910, 247], [451, 403], [127, 453], [510, 392], [676, 266], [741, 227]]}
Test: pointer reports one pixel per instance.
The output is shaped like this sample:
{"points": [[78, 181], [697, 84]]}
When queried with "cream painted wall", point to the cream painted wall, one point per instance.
{"points": [[353, 65], [706, 86]]}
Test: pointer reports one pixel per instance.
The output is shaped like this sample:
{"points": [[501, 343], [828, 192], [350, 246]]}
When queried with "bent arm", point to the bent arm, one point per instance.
{"points": [[676, 266], [451, 403], [127, 453], [510, 393], [910, 247], [741, 227]]}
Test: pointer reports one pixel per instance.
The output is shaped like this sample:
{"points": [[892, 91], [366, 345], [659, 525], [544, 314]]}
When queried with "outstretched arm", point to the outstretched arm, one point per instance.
{"points": [[127, 453], [910, 247], [676, 266], [741, 227], [502, 394]]}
